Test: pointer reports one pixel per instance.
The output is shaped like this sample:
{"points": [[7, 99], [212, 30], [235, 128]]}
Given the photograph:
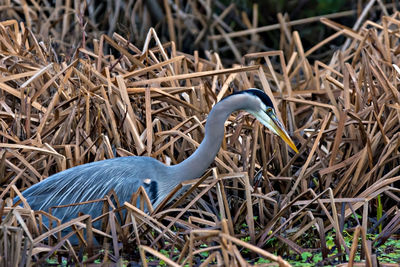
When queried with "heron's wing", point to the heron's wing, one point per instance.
{"points": [[93, 181]]}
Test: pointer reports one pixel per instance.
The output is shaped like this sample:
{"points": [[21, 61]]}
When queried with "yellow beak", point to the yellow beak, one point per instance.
{"points": [[279, 130], [269, 119]]}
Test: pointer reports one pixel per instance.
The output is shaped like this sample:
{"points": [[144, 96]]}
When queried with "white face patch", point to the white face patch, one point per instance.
{"points": [[261, 104], [262, 116], [259, 111], [265, 120]]}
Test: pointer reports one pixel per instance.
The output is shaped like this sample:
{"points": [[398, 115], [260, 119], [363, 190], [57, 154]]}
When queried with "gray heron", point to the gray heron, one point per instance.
{"points": [[126, 174]]}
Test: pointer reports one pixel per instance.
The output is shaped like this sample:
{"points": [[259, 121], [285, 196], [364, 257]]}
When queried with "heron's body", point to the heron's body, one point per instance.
{"points": [[126, 174]]}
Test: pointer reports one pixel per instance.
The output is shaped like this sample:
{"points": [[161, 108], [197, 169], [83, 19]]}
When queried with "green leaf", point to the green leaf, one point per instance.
{"points": [[262, 260], [330, 244], [164, 252], [205, 253], [245, 239], [306, 255], [379, 212]]}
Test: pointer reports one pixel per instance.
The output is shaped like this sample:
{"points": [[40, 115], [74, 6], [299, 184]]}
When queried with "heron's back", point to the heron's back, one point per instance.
{"points": [[93, 181]]}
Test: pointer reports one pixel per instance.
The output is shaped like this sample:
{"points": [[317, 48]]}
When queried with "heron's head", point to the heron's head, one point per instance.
{"points": [[263, 109]]}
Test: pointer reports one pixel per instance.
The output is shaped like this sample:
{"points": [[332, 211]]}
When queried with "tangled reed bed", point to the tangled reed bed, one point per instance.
{"points": [[56, 113]]}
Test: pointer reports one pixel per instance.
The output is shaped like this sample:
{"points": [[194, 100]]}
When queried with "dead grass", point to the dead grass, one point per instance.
{"points": [[58, 112]]}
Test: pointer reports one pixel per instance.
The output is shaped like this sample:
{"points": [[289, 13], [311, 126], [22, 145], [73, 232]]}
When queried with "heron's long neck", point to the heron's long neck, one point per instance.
{"points": [[200, 160]]}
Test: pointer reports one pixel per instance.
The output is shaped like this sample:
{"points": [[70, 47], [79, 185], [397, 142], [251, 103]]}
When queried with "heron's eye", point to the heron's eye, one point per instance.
{"points": [[269, 110]]}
